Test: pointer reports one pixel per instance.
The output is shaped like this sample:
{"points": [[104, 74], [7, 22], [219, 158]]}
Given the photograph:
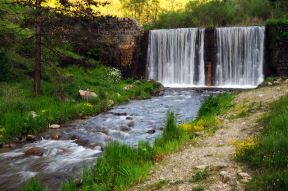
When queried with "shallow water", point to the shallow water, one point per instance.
{"points": [[130, 123]]}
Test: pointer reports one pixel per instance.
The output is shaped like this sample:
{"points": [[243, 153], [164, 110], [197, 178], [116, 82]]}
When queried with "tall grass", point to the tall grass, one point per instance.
{"points": [[271, 154], [121, 166], [207, 119], [59, 101], [34, 185]]}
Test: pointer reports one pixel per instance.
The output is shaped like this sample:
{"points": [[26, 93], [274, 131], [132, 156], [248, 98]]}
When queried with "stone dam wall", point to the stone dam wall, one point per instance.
{"points": [[123, 44]]}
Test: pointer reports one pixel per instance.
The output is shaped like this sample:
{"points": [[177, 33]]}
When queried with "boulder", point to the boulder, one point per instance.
{"points": [[159, 91], [87, 95], [31, 138], [129, 118], [35, 151], [127, 87], [54, 126], [243, 176]]}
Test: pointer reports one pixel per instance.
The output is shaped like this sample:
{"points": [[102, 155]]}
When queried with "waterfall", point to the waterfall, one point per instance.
{"points": [[176, 57], [240, 57]]}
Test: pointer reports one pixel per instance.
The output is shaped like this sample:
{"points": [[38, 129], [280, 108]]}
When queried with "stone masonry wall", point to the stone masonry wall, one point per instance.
{"points": [[276, 50], [118, 41]]}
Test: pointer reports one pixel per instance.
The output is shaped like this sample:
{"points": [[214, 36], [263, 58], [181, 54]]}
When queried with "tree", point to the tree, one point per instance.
{"points": [[85, 9]]}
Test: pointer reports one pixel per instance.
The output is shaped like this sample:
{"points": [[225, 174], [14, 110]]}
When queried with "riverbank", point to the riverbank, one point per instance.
{"points": [[209, 162], [102, 87], [120, 166]]}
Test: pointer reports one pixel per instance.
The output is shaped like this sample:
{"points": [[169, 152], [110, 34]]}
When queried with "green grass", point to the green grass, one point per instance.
{"points": [[59, 100], [121, 166], [200, 175], [198, 188], [271, 154], [211, 108], [215, 105], [33, 185]]}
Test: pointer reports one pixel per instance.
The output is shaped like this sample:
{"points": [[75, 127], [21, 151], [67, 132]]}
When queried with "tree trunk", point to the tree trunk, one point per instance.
{"points": [[37, 68]]}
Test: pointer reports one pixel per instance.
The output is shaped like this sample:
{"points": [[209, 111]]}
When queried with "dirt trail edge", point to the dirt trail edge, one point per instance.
{"points": [[216, 152]]}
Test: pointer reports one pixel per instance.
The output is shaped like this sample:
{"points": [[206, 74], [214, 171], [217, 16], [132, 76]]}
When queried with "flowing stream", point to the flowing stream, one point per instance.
{"points": [[130, 123]]}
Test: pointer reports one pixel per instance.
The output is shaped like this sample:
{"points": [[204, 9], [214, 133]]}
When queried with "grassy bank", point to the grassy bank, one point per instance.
{"points": [[121, 166], [269, 154], [22, 113], [207, 119]]}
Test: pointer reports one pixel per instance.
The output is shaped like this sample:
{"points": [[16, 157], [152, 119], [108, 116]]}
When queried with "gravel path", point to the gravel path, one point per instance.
{"points": [[215, 152]]}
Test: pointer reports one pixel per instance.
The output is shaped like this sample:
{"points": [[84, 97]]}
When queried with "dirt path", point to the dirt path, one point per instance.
{"points": [[216, 152]]}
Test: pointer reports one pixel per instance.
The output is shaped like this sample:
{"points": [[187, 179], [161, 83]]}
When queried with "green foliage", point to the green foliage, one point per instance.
{"points": [[214, 105], [274, 180], [33, 185], [59, 101], [121, 165], [198, 188], [172, 137], [171, 131], [5, 68], [200, 175], [217, 13], [271, 153]]}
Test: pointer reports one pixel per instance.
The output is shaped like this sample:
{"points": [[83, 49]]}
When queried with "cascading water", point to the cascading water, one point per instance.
{"points": [[176, 57], [240, 57]]}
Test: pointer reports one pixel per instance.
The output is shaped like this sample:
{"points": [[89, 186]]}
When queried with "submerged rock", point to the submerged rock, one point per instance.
{"points": [[82, 142], [151, 131], [125, 128], [9, 145], [35, 151], [55, 136], [130, 123]]}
